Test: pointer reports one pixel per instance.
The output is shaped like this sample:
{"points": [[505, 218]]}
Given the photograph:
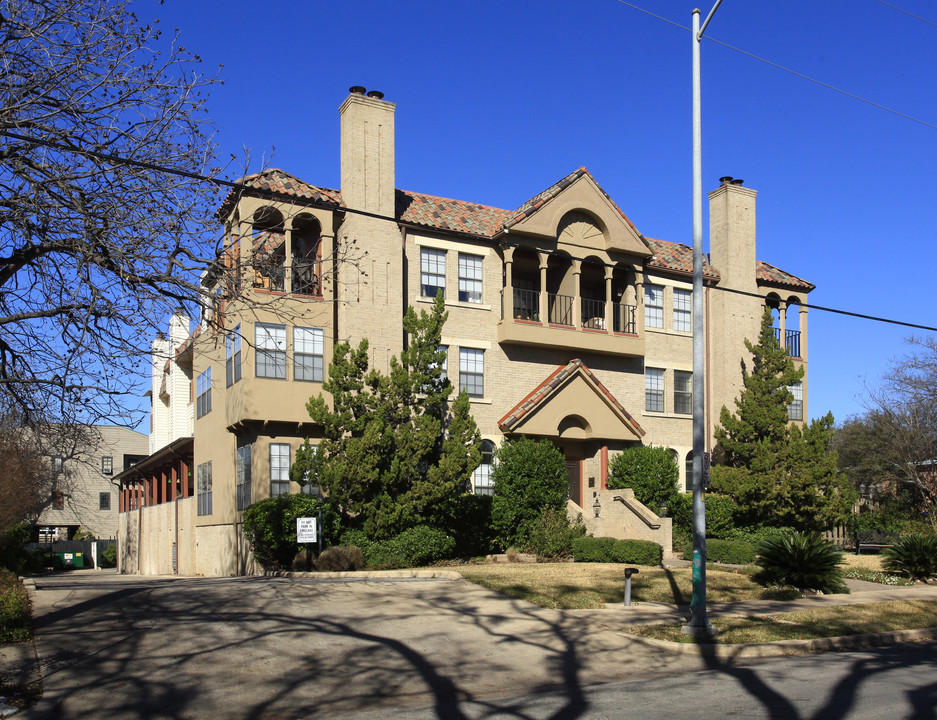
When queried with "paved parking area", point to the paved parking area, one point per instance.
{"points": [[132, 647]]}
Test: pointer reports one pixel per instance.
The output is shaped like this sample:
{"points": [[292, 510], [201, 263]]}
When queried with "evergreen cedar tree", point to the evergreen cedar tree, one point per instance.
{"points": [[779, 473], [529, 477], [394, 452]]}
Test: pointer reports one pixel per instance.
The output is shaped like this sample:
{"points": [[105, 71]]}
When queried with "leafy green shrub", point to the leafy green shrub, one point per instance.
{"points": [[340, 558], [650, 471], [720, 514], [83, 535], [415, 547], [801, 560], [593, 549], [637, 552], [270, 526], [356, 538], [15, 615], [13, 554], [108, 556], [733, 552], [552, 537], [467, 518], [529, 476], [913, 555], [41, 558]]}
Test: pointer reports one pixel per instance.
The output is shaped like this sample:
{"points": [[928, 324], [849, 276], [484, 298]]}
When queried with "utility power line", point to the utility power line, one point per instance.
{"points": [[117, 160]]}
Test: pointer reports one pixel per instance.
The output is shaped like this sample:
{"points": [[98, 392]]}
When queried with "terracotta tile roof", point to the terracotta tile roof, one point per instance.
{"points": [[266, 243], [541, 199], [677, 256], [765, 273], [554, 382], [454, 215], [274, 180]]}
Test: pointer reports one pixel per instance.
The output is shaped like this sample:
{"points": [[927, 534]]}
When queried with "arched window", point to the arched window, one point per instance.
{"points": [[481, 480]]}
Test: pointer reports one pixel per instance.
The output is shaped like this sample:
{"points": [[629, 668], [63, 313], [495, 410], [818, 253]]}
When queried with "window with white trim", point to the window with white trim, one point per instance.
{"points": [[270, 349], [470, 278], [682, 310], [243, 476], [795, 410], [107, 465], [682, 392], [482, 484], [654, 390], [308, 354], [432, 272], [653, 306], [279, 469], [203, 488], [472, 371], [232, 357], [203, 393]]}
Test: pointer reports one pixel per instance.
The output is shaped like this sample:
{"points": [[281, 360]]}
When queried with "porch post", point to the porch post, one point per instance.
{"points": [[507, 293], [542, 297], [577, 294]]}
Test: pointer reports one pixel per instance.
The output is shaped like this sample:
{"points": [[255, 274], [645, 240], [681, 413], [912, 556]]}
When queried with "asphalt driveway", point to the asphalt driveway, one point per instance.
{"points": [[130, 647]]}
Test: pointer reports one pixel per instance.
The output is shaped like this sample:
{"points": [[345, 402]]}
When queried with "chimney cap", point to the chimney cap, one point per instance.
{"points": [[737, 181], [376, 94], [356, 90], [725, 180]]}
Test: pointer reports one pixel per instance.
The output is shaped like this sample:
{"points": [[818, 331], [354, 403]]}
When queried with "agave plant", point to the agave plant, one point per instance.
{"points": [[913, 555], [803, 561]]}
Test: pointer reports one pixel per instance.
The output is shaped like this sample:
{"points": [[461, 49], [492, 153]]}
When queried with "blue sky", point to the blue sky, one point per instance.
{"points": [[498, 100]]}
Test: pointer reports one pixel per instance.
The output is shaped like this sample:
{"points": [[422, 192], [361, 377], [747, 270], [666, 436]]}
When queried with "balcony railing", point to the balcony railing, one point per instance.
{"points": [[526, 305], [305, 279], [623, 318], [791, 341], [560, 309], [593, 313]]}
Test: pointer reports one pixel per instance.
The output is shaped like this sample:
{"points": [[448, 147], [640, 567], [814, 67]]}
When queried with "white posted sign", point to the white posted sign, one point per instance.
{"points": [[305, 530]]}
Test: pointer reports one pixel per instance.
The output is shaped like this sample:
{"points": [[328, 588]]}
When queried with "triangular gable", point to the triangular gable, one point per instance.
{"points": [[579, 192], [573, 403]]}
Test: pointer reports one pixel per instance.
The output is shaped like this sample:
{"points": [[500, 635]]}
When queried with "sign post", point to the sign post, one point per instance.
{"points": [[306, 533]]}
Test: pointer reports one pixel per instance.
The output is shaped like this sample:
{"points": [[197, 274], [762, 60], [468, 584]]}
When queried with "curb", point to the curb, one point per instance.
{"points": [[778, 648], [364, 574]]}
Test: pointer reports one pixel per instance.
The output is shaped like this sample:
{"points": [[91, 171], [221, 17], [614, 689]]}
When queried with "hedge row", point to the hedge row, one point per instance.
{"points": [[610, 550]]}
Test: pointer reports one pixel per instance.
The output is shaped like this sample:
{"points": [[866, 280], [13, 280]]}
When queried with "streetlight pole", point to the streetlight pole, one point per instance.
{"points": [[699, 624]]}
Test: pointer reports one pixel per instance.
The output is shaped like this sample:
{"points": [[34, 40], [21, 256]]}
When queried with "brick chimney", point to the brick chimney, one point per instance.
{"points": [[732, 234], [367, 151]]}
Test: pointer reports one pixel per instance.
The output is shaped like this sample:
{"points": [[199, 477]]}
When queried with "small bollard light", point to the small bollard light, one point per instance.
{"points": [[628, 573]]}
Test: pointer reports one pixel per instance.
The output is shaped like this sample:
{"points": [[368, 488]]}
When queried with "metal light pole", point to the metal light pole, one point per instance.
{"points": [[699, 624]]}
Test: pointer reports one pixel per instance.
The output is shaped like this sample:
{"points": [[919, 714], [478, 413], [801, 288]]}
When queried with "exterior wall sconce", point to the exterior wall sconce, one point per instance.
{"points": [[596, 506]]}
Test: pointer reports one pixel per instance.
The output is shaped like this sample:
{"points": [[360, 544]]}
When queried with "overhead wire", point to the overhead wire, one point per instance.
{"points": [[778, 66]]}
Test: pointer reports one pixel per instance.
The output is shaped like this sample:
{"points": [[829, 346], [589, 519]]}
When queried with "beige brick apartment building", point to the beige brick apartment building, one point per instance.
{"points": [[565, 322]]}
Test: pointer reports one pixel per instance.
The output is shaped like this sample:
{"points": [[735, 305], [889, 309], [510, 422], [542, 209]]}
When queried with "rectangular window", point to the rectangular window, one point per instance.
{"points": [[232, 357], [279, 469], [107, 465], [654, 390], [470, 278], [203, 488], [682, 392], [653, 306], [432, 272], [472, 371], [203, 393], [795, 411], [308, 354], [104, 501], [270, 344], [243, 477], [682, 310], [482, 482]]}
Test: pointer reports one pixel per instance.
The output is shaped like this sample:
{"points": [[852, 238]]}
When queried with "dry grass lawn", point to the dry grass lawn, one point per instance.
{"points": [[809, 624], [592, 585]]}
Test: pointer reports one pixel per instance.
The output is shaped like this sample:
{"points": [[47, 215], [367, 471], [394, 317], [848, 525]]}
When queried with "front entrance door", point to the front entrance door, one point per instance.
{"points": [[574, 470]]}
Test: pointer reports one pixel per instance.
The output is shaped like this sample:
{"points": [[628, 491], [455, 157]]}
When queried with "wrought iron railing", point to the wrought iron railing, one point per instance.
{"points": [[526, 304], [593, 313], [305, 278], [560, 311], [791, 341], [623, 318]]}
